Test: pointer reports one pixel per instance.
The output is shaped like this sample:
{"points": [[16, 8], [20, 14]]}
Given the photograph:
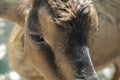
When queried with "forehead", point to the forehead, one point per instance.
{"points": [[48, 10], [50, 13], [40, 15], [42, 21], [45, 17]]}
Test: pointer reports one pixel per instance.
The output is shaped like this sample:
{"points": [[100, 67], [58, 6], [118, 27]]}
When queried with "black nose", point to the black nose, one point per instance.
{"points": [[84, 66], [93, 77]]}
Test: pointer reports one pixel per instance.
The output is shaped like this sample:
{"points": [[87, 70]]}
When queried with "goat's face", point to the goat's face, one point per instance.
{"points": [[56, 37]]}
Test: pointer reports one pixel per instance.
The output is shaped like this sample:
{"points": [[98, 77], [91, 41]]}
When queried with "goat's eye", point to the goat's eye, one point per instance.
{"points": [[36, 38]]}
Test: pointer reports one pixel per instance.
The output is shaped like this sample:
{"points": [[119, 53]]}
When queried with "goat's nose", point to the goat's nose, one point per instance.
{"points": [[89, 78], [92, 78], [84, 66]]}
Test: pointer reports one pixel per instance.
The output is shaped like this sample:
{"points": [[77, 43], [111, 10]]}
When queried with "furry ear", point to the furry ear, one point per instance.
{"points": [[14, 11]]}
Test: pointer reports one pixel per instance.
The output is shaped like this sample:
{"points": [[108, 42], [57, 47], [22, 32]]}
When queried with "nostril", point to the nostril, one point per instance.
{"points": [[92, 78], [81, 77]]}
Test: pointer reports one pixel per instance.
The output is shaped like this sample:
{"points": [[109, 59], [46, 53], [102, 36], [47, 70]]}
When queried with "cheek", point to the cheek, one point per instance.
{"points": [[41, 50]]}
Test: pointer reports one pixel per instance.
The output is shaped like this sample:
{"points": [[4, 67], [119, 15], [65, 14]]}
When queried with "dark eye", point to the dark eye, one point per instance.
{"points": [[64, 0], [36, 38]]}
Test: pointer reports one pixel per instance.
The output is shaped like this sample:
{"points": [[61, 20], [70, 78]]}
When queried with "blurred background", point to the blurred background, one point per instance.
{"points": [[7, 74]]}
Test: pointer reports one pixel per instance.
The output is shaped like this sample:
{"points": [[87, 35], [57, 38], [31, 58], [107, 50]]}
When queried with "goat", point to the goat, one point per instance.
{"points": [[50, 41], [52, 38]]}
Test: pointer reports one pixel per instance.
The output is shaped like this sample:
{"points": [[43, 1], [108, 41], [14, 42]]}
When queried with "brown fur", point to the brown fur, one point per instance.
{"points": [[104, 48], [58, 56]]}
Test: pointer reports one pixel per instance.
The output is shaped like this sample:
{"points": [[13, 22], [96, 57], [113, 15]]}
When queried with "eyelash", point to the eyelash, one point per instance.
{"points": [[36, 38]]}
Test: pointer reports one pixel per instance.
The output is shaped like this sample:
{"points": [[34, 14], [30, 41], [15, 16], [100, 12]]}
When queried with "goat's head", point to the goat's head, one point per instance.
{"points": [[56, 36]]}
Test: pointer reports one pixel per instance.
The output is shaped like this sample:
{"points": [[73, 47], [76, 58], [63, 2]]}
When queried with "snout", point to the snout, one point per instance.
{"points": [[84, 67], [94, 77], [90, 78]]}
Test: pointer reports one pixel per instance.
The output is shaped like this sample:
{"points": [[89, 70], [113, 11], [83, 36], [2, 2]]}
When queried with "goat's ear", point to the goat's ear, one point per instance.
{"points": [[14, 11]]}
